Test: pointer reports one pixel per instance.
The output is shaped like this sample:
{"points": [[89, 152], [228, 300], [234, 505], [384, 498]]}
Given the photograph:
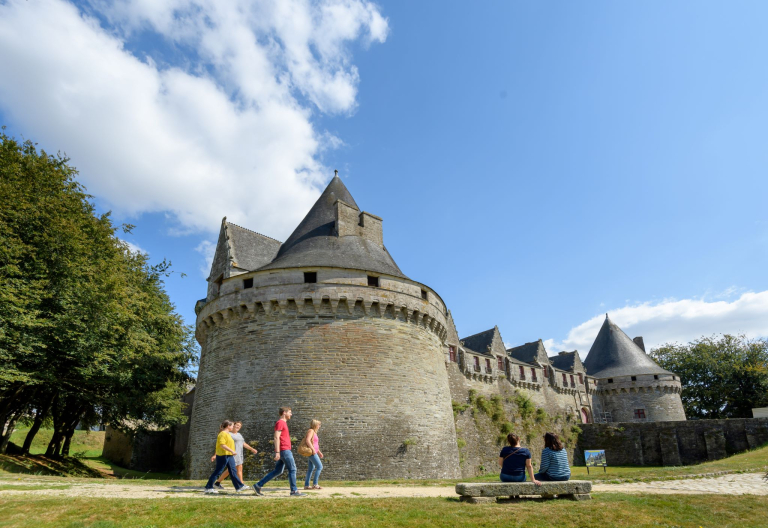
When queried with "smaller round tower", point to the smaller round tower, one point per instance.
{"points": [[630, 385]]}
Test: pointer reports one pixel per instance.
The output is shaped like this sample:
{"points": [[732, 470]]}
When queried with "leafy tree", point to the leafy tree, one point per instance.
{"points": [[722, 377], [87, 332]]}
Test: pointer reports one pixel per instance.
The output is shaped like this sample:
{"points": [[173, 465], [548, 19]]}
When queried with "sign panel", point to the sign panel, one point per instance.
{"points": [[595, 458]]}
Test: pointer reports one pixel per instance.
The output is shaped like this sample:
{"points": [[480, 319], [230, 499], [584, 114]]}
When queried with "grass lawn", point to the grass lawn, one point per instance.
{"points": [[606, 510], [84, 443]]}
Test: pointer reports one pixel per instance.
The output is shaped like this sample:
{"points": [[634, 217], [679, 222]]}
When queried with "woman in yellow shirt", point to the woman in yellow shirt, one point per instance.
{"points": [[225, 458]]}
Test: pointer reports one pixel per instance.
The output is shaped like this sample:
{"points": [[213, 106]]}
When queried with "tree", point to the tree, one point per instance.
{"points": [[721, 377], [87, 332]]}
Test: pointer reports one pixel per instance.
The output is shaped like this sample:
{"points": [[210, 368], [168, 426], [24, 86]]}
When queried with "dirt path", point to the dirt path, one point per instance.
{"points": [[741, 484]]}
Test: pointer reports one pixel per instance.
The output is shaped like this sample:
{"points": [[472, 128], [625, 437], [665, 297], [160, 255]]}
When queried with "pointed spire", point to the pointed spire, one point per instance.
{"points": [[614, 354]]}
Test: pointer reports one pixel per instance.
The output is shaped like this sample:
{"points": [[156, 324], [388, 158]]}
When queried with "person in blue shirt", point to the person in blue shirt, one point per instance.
{"points": [[554, 460], [514, 461]]}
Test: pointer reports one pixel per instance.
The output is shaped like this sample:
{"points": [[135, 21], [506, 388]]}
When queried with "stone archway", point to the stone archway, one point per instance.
{"points": [[585, 418]]}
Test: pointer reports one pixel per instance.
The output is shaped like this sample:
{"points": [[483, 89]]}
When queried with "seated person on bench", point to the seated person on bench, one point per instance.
{"points": [[514, 461], [554, 460]]}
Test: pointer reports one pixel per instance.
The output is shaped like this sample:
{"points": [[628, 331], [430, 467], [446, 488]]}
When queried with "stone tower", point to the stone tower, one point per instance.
{"points": [[327, 324], [630, 385]]}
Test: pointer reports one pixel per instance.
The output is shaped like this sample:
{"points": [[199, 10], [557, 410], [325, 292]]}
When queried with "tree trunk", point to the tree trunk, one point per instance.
{"points": [[40, 415], [6, 438], [67, 442]]}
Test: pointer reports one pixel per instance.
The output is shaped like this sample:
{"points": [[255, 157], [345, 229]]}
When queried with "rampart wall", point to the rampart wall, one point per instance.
{"points": [[671, 443]]}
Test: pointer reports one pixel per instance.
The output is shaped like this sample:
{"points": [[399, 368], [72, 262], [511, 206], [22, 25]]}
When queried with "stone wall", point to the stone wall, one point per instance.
{"points": [[371, 370], [146, 451], [479, 435], [671, 443]]}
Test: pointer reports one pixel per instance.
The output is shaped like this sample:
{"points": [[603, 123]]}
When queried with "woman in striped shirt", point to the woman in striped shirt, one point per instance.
{"points": [[554, 460]]}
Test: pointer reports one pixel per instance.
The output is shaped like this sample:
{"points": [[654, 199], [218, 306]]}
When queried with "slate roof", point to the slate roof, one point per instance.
{"points": [[250, 250], [530, 352], [315, 244], [614, 354], [564, 361], [479, 342]]}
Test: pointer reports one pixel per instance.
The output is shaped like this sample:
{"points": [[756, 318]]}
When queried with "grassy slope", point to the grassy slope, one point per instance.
{"points": [[85, 443], [605, 510]]}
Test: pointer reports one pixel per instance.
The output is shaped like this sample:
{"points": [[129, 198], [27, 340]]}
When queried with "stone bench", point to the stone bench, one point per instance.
{"points": [[475, 493]]}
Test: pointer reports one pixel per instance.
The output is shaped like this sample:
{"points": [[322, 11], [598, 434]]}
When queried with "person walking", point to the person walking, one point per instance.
{"points": [[283, 455], [554, 460], [239, 443], [514, 461], [311, 439], [225, 458]]}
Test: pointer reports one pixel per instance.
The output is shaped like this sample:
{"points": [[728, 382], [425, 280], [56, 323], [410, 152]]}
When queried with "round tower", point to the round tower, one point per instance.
{"points": [[327, 324], [630, 385]]}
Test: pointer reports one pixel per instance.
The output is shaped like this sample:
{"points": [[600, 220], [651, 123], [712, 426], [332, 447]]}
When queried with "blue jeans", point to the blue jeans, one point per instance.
{"points": [[545, 477], [512, 478], [286, 459], [314, 464], [225, 462]]}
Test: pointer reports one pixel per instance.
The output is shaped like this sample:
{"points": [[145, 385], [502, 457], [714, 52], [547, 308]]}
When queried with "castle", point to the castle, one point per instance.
{"points": [[327, 323]]}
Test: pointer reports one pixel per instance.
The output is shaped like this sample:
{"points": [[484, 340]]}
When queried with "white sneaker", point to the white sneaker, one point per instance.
{"points": [[242, 488], [211, 490]]}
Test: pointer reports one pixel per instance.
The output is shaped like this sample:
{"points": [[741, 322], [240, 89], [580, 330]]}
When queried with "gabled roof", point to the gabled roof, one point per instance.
{"points": [[240, 248], [568, 361], [614, 354], [480, 342], [530, 353], [314, 243], [250, 250]]}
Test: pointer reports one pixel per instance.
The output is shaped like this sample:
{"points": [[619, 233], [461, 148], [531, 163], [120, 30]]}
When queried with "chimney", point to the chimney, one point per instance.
{"points": [[346, 219], [639, 342], [371, 228]]}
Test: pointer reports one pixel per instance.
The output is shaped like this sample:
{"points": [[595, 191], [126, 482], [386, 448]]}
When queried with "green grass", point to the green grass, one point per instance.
{"points": [[87, 443], [606, 510]]}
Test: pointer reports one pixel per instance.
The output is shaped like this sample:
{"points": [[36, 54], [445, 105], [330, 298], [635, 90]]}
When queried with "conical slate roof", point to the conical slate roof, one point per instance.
{"points": [[314, 242], [614, 354]]}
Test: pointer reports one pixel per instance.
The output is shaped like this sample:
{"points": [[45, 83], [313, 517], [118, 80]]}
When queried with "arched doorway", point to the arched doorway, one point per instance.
{"points": [[585, 415]]}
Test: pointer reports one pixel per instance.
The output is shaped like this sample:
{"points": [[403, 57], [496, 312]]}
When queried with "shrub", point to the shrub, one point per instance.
{"points": [[525, 406], [461, 443], [506, 428]]}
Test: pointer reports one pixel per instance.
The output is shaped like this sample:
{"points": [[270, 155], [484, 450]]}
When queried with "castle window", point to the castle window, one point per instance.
{"points": [[452, 353], [533, 374], [633, 378], [522, 373], [573, 384], [477, 363], [655, 376], [565, 381], [500, 362], [424, 294], [639, 414], [247, 283], [373, 281], [610, 380], [674, 378], [488, 365], [310, 277], [581, 379], [544, 370]]}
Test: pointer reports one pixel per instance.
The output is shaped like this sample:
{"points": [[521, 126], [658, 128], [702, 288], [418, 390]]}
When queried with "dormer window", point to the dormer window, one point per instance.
{"points": [[373, 281], [310, 277], [247, 283]]}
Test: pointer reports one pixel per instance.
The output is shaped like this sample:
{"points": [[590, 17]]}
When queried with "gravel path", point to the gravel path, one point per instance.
{"points": [[737, 484]]}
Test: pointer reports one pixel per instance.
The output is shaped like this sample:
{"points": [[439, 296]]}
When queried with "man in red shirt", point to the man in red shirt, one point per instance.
{"points": [[283, 455]]}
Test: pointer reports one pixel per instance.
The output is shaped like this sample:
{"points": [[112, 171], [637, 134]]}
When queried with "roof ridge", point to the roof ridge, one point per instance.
{"points": [[252, 231]]}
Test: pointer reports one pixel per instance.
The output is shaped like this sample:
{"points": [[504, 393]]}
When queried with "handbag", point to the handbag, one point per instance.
{"points": [[305, 450]]}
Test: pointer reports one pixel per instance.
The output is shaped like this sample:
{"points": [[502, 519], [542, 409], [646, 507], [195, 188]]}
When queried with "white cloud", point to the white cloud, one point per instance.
{"points": [[133, 247], [672, 320], [229, 132], [206, 248]]}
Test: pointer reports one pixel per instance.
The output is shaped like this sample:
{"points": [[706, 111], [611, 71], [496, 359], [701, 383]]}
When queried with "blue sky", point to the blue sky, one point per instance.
{"points": [[538, 164]]}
